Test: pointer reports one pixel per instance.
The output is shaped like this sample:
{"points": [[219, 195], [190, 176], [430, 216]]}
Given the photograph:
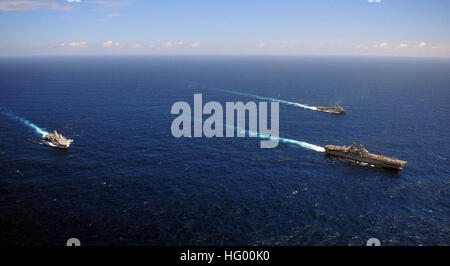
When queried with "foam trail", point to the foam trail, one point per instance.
{"points": [[284, 140], [37, 129], [271, 99], [280, 139], [302, 144]]}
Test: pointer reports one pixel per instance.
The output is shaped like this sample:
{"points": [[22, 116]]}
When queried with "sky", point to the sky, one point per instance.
{"points": [[418, 28]]}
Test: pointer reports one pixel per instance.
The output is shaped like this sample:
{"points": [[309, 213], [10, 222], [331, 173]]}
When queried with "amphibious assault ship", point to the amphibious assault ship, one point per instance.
{"points": [[57, 140], [337, 109], [362, 155]]}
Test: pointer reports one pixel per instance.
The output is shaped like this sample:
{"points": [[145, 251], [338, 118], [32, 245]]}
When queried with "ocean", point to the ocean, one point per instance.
{"points": [[126, 180]]}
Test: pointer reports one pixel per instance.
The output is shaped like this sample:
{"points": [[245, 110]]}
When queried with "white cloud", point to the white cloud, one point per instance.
{"points": [[178, 44], [421, 45], [77, 44], [374, 1], [381, 45], [111, 44], [404, 48], [74, 44], [113, 15], [170, 44], [74, 1], [56, 6], [384, 45], [262, 45], [362, 46], [442, 48], [20, 5]]}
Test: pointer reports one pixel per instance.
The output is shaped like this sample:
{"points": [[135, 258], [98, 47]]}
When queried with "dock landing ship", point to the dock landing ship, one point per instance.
{"points": [[337, 109], [362, 155], [57, 140]]}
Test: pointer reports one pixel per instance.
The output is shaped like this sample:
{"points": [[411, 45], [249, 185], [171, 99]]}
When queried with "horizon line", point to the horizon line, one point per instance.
{"points": [[225, 55]]}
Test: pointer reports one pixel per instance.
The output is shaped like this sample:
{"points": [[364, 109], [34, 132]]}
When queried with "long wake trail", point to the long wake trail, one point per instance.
{"points": [[270, 99], [37, 129], [300, 143], [303, 144]]}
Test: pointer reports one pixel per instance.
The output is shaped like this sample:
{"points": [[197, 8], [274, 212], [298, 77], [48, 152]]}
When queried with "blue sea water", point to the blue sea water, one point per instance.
{"points": [[127, 181]]}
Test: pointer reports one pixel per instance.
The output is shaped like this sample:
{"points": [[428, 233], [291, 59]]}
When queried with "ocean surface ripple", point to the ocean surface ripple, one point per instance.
{"points": [[127, 181]]}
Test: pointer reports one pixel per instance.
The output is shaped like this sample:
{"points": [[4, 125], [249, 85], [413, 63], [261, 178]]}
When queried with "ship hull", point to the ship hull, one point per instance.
{"points": [[332, 112], [56, 145], [338, 110], [369, 160]]}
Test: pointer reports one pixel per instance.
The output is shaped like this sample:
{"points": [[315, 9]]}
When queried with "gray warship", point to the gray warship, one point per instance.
{"points": [[57, 140], [362, 155], [337, 109]]}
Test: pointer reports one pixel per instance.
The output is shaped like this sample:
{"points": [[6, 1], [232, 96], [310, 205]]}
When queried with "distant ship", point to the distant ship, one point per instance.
{"points": [[57, 140], [362, 155], [337, 109]]}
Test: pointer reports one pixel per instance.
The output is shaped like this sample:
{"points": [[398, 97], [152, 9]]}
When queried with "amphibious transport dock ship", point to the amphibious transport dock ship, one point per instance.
{"points": [[362, 155], [337, 109], [57, 140]]}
